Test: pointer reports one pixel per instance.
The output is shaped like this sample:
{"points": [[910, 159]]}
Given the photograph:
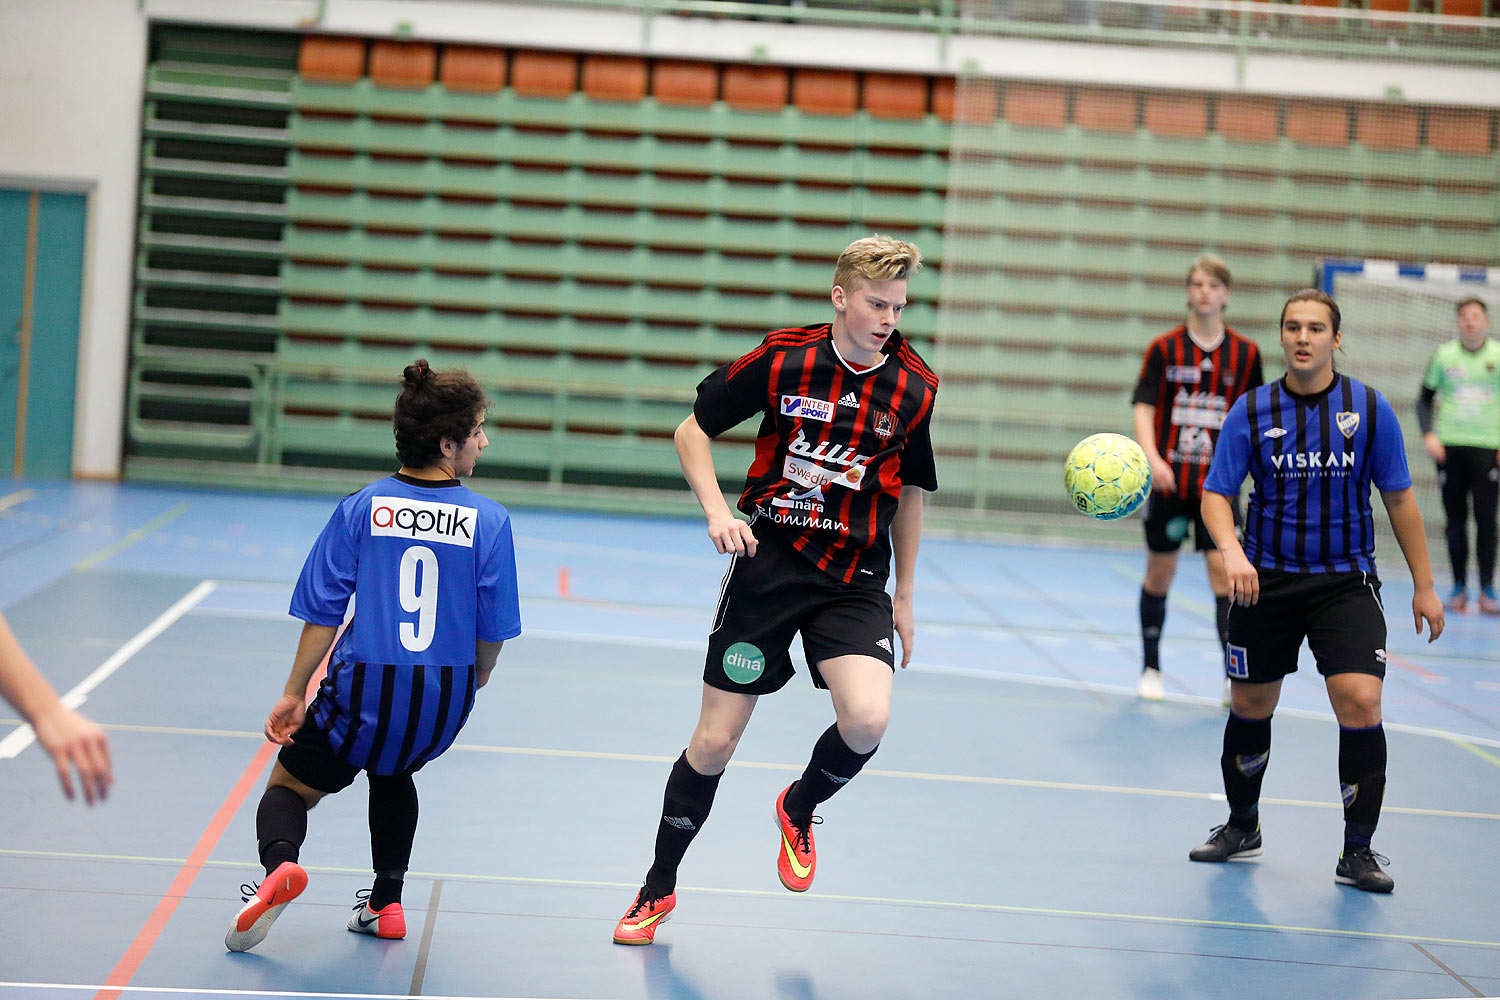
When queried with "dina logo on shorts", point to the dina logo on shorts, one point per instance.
{"points": [[744, 663]]}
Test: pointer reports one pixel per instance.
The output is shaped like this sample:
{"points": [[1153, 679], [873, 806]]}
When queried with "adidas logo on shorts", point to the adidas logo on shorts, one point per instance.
{"points": [[884, 644], [849, 399]]}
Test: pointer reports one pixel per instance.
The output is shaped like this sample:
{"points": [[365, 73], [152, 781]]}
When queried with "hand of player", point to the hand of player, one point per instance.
{"points": [[1162, 479], [906, 627], [1426, 604], [285, 719], [730, 534], [1434, 448], [75, 743], [1244, 581]]}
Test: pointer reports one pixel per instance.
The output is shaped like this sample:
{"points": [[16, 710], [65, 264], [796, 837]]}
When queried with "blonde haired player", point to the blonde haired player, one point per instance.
{"points": [[834, 493]]}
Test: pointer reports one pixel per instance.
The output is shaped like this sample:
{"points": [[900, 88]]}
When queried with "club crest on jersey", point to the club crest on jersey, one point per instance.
{"points": [[445, 523], [804, 406], [883, 425], [1347, 423]]}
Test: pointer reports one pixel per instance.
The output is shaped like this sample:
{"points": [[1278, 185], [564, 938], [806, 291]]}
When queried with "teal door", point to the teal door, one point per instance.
{"points": [[41, 288]]}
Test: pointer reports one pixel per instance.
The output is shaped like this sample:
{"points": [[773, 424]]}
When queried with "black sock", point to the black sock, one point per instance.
{"points": [[1361, 781], [685, 807], [1247, 750], [393, 827], [1153, 616], [831, 767], [280, 826], [1221, 619]]}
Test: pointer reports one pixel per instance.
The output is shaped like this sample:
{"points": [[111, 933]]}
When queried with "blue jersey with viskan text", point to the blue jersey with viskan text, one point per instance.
{"points": [[1313, 460], [432, 567]]}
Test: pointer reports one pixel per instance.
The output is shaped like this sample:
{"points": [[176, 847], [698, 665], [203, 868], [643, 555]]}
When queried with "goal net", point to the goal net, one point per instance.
{"points": [[1394, 316]]}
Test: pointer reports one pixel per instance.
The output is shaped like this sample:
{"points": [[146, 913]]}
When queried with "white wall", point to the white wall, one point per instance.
{"points": [[71, 75], [70, 107]]}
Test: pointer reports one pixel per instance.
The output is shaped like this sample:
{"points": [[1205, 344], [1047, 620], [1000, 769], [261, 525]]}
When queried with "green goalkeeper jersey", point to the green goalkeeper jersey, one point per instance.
{"points": [[1467, 388]]}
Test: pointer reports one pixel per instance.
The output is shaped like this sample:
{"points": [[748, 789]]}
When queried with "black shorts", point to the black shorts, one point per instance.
{"points": [[312, 760], [765, 600], [1169, 519], [1339, 614]]}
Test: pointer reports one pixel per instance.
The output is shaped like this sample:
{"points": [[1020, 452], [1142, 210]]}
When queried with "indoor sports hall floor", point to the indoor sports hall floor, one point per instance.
{"points": [[1022, 833]]}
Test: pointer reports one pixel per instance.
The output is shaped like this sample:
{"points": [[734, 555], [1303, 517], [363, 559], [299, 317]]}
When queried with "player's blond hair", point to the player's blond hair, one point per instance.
{"points": [[876, 258], [1211, 265]]}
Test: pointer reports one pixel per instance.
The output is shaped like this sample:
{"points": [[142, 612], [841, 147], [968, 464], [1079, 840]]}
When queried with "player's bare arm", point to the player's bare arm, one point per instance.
{"points": [[728, 532], [287, 715], [1406, 522], [906, 537], [72, 741], [1143, 417], [485, 655], [1244, 581]]}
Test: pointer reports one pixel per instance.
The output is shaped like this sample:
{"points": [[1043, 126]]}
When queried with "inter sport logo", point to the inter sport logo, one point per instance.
{"points": [[805, 406], [445, 523]]}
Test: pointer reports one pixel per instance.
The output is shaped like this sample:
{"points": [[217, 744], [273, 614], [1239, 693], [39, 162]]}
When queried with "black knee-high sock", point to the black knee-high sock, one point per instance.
{"points": [[393, 827], [685, 806], [1361, 781], [831, 767], [280, 826], [1221, 619], [1247, 750], [1153, 617]]}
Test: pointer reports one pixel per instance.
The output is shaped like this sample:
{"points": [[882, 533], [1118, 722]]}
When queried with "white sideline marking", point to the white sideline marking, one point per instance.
{"points": [[23, 736]]}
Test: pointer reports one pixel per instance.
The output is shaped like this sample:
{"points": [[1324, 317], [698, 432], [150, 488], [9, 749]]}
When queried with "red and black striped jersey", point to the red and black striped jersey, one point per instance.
{"points": [[834, 447], [1192, 389]]}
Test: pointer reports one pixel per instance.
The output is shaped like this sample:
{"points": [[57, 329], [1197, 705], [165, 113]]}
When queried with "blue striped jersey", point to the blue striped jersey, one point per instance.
{"points": [[431, 567], [1312, 460]]}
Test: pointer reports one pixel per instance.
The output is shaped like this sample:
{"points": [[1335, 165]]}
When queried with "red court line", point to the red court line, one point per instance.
{"points": [[157, 922]]}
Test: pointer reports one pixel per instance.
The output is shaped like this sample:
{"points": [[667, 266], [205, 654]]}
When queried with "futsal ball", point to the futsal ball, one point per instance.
{"points": [[1107, 476]]}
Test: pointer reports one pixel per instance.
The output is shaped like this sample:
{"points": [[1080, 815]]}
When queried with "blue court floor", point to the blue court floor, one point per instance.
{"points": [[1023, 831]]}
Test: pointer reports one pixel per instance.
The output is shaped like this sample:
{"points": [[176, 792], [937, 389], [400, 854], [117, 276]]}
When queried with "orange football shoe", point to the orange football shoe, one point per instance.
{"points": [[798, 857], [639, 924], [387, 922], [263, 904]]}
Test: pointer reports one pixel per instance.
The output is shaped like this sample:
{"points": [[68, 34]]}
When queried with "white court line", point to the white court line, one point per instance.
{"points": [[205, 991], [24, 736], [18, 497]]}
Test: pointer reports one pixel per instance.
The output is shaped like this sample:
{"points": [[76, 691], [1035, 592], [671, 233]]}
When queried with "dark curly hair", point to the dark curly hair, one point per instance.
{"points": [[433, 406]]}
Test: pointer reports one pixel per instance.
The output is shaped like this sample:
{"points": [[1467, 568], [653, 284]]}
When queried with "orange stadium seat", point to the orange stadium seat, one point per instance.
{"points": [[1459, 130], [825, 91], [674, 81], [1177, 115], [1042, 105], [332, 60], [893, 95], [412, 65], [1385, 126], [1461, 8], [614, 78], [543, 74], [755, 88], [473, 68], [1101, 110], [1317, 123], [1246, 119]]}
